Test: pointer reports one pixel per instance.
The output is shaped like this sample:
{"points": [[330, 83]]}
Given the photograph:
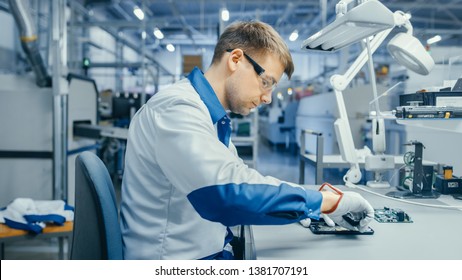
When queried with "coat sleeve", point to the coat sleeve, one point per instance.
{"points": [[220, 187]]}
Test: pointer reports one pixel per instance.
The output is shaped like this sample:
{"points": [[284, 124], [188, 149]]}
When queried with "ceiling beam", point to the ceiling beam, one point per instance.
{"points": [[186, 27], [288, 12], [125, 41]]}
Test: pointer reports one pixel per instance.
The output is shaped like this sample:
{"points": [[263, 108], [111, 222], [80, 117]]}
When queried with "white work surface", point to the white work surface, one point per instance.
{"points": [[334, 161], [435, 234]]}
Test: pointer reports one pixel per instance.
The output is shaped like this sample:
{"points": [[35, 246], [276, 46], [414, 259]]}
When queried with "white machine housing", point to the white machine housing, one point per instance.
{"points": [[26, 145]]}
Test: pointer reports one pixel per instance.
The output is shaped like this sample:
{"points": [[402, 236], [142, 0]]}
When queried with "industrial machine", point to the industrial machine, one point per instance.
{"points": [[26, 144]]}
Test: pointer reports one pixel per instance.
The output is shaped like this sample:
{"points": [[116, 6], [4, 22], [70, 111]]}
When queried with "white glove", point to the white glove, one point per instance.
{"points": [[305, 222], [357, 206]]}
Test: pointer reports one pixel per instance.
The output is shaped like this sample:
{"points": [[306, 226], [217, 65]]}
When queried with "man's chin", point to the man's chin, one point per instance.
{"points": [[246, 112], [243, 112]]}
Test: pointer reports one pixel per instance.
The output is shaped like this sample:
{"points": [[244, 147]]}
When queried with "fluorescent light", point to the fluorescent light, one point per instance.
{"points": [[224, 14], [434, 39], [294, 35], [170, 47], [342, 38], [159, 35], [143, 35], [362, 21], [138, 13]]}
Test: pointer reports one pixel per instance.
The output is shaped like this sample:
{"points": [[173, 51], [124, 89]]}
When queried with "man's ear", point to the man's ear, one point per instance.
{"points": [[233, 60]]}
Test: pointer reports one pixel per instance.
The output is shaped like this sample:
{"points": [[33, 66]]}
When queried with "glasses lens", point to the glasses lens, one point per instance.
{"points": [[267, 84]]}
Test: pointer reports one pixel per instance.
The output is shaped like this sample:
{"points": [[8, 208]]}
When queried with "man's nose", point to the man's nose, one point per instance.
{"points": [[266, 98]]}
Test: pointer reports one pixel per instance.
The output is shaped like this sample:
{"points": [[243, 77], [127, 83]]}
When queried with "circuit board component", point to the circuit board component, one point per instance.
{"points": [[390, 215]]}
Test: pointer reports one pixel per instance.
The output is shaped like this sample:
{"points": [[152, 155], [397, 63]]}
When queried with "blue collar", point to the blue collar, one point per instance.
{"points": [[216, 110], [207, 94]]}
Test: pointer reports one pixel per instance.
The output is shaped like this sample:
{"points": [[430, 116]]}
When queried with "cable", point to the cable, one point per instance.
{"points": [[396, 172], [351, 185], [385, 93]]}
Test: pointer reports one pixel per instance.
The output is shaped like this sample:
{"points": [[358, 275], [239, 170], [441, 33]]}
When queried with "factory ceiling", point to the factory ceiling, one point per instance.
{"points": [[196, 23]]}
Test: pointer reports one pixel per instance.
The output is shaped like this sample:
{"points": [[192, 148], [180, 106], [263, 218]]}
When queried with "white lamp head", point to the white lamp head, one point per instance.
{"points": [[362, 21], [409, 52]]}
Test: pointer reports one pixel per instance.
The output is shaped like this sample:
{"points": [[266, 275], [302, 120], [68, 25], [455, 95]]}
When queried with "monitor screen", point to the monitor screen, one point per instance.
{"points": [[125, 105]]}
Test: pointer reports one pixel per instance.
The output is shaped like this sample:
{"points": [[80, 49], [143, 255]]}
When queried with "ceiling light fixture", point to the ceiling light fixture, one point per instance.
{"points": [[294, 35], [170, 47], [224, 14], [138, 13], [159, 35], [434, 39]]}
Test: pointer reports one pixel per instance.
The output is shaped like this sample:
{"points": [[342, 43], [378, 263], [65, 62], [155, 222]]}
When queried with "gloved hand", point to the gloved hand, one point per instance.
{"points": [[353, 203], [305, 222]]}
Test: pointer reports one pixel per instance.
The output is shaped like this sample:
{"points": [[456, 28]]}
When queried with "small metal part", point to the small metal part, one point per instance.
{"points": [[353, 219]]}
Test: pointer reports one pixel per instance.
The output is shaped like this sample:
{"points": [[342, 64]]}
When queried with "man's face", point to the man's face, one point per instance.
{"points": [[246, 89]]}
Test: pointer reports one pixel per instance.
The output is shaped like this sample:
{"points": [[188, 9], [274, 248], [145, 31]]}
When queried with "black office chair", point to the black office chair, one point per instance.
{"points": [[97, 233]]}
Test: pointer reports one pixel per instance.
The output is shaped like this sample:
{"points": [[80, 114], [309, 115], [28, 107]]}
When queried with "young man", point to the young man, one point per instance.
{"points": [[184, 184]]}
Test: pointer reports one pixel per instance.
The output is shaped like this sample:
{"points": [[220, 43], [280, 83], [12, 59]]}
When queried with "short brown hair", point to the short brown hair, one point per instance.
{"points": [[256, 39]]}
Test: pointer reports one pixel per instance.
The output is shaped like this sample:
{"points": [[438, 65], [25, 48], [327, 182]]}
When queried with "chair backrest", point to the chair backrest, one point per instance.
{"points": [[96, 227]]}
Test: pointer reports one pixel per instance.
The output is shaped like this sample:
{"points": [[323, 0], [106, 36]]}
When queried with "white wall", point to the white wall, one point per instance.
{"points": [[8, 31], [129, 80], [441, 55], [26, 125], [104, 77], [318, 113], [436, 78], [311, 64], [172, 61]]}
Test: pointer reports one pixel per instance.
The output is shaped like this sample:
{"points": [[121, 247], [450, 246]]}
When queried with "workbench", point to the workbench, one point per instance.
{"points": [[434, 234], [10, 235]]}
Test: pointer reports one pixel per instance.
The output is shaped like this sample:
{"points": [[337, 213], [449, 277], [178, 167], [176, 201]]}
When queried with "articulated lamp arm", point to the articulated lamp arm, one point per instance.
{"points": [[367, 18], [342, 124]]}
